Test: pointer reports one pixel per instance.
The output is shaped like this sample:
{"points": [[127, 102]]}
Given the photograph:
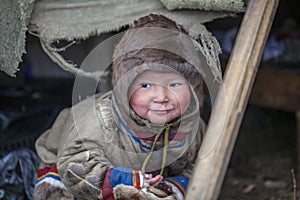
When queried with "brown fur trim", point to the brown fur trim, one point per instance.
{"points": [[124, 192], [154, 20], [47, 191]]}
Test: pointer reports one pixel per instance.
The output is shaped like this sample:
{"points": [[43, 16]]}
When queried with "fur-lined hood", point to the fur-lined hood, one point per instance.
{"points": [[156, 43]]}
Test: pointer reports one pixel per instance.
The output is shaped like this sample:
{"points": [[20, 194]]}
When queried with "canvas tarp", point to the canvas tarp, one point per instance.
{"points": [[209, 5], [14, 17], [53, 20]]}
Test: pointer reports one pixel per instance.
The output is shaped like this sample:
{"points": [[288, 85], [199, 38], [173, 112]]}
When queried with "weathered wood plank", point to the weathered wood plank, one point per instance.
{"points": [[231, 101]]}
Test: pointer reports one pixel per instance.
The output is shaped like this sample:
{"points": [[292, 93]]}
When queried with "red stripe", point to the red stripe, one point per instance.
{"points": [[107, 189], [177, 185], [46, 170], [172, 137], [137, 180]]}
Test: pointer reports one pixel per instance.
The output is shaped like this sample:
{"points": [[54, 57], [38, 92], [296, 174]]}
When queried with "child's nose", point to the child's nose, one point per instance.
{"points": [[161, 94]]}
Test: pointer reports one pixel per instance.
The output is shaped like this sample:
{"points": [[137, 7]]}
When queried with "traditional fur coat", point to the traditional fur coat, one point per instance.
{"points": [[93, 150]]}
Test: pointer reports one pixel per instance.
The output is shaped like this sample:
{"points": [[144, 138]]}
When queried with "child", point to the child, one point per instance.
{"points": [[140, 140]]}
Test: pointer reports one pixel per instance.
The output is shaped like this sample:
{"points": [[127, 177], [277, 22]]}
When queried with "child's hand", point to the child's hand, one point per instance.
{"points": [[153, 180]]}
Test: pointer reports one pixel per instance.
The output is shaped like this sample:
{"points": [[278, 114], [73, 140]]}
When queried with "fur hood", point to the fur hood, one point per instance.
{"points": [[156, 43]]}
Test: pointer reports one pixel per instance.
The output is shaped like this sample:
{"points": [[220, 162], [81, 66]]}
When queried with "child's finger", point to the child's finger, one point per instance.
{"points": [[148, 176], [156, 180]]}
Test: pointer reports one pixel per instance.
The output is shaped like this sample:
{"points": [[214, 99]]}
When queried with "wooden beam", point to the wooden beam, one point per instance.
{"points": [[228, 110]]}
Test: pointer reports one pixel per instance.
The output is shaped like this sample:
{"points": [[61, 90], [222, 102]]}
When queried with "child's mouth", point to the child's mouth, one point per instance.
{"points": [[162, 112]]}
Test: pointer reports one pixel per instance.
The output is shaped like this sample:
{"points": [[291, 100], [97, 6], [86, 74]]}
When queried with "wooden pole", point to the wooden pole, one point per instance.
{"points": [[228, 110]]}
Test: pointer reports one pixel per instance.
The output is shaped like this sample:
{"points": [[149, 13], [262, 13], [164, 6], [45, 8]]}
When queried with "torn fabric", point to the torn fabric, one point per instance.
{"points": [[14, 17], [216, 5]]}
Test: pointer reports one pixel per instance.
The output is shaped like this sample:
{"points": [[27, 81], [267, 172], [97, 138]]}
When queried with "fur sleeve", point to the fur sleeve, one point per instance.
{"points": [[82, 158]]}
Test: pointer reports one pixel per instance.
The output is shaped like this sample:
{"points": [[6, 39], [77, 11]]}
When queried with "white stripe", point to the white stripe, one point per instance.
{"points": [[176, 191], [142, 179], [52, 182]]}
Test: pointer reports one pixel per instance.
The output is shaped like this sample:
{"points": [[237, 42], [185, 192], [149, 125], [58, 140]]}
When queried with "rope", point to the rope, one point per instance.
{"points": [[61, 62], [164, 130]]}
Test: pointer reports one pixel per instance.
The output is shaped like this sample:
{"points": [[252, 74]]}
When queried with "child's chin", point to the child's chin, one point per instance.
{"points": [[160, 121]]}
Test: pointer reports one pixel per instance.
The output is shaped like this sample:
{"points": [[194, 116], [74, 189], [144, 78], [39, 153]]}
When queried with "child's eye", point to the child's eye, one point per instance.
{"points": [[145, 85], [175, 84]]}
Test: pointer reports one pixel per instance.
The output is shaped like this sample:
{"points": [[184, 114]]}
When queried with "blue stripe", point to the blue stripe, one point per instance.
{"points": [[127, 129], [50, 176], [121, 175], [135, 137], [182, 180]]}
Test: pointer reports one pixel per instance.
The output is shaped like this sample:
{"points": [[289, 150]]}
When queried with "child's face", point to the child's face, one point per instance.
{"points": [[159, 97]]}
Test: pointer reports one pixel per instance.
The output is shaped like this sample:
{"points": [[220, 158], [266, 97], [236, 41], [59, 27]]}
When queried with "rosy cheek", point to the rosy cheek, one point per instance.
{"points": [[138, 104], [184, 102]]}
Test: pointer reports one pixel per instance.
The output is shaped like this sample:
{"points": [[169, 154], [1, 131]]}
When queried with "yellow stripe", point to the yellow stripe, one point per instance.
{"points": [[134, 179], [49, 173]]}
